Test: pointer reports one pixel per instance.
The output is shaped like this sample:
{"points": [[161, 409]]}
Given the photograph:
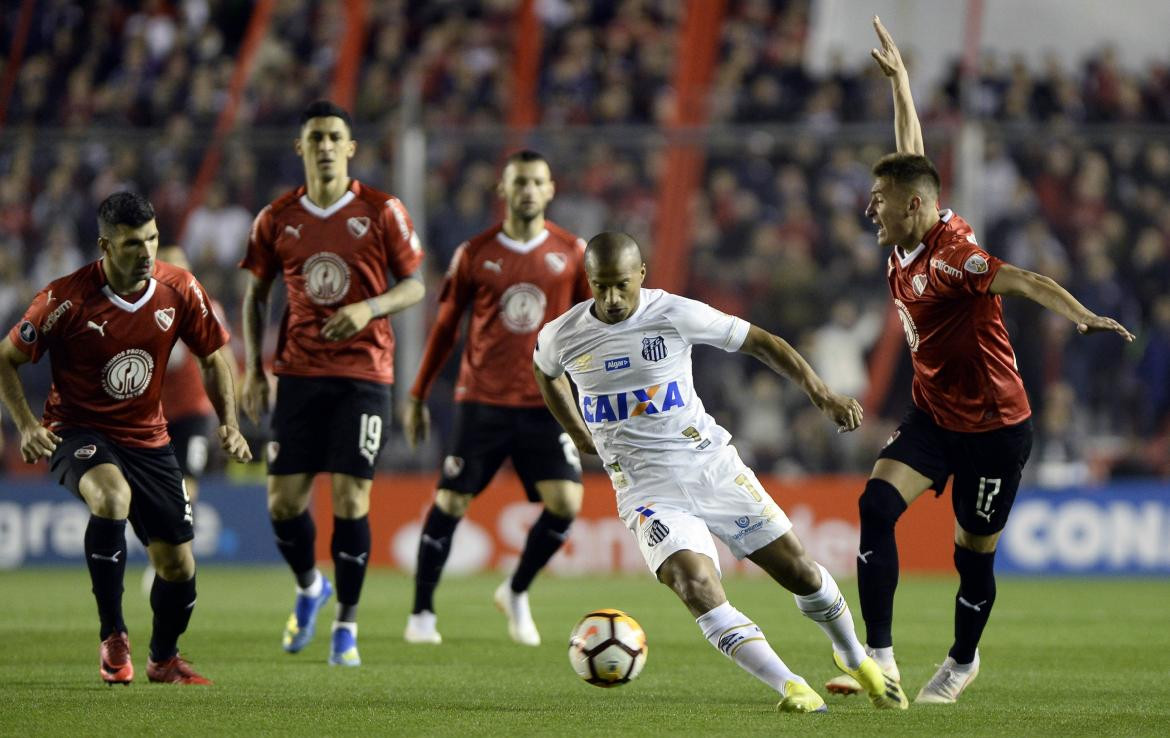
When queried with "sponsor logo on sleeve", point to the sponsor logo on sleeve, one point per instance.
{"points": [[199, 295], [976, 264], [613, 365], [55, 315], [945, 268]]}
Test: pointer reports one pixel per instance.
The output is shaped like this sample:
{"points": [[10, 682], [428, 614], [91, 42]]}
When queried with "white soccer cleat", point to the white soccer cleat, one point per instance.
{"points": [[421, 628], [847, 685], [515, 606], [948, 682]]}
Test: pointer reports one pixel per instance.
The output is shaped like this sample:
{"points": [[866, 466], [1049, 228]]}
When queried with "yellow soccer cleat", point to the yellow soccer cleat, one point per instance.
{"points": [[799, 697], [884, 691], [846, 685]]}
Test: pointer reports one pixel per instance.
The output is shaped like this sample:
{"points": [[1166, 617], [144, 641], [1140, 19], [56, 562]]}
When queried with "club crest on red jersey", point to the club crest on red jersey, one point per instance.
{"points": [[358, 225], [919, 282], [164, 317], [556, 262]]}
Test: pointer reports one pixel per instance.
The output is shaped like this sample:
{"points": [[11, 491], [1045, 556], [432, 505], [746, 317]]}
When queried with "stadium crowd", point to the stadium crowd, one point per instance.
{"points": [[123, 95]]}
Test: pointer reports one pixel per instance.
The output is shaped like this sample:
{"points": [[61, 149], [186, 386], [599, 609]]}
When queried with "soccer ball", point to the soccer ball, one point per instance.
{"points": [[607, 648]]}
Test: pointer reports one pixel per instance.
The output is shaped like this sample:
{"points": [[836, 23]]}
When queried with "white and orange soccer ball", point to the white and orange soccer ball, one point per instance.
{"points": [[607, 648]]}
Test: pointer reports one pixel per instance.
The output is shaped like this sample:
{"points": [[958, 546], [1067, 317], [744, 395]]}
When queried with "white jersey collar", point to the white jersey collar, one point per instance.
{"points": [[130, 307], [522, 247], [324, 213]]}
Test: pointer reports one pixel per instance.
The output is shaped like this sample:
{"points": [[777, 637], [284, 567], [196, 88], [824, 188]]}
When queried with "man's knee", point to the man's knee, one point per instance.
{"points": [[880, 505], [288, 495], [560, 498], [696, 583], [453, 503], [173, 563], [105, 492]]}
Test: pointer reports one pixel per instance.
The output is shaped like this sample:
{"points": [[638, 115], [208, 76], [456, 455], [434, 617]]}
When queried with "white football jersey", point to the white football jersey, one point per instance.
{"points": [[637, 394]]}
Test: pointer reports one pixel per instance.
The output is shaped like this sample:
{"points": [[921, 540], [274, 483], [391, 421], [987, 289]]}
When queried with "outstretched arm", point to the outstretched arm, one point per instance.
{"points": [[780, 357], [1011, 280], [907, 128], [558, 395]]}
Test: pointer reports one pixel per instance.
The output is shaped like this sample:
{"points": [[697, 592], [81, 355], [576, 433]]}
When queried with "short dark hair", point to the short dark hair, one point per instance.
{"points": [[326, 109], [524, 156], [608, 247], [124, 208], [909, 170]]}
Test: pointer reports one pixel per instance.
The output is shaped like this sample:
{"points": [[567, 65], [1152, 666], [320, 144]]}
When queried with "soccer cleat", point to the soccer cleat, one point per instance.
{"points": [[884, 691], [420, 628], [302, 623], [343, 650], [116, 667], [799, 697], [174, 671], [846, 685], [515, 606], [948, 682]]}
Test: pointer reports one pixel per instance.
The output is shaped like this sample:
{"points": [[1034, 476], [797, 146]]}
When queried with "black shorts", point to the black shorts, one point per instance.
{"points": [[328, 424], [986, 466], [191, 437], [159, 507], [487, 434]]}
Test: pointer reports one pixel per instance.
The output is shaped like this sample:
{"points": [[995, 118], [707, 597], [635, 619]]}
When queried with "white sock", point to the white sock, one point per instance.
{"points": [[743, 642], [314, 589], [884, 656], [828, 609]]}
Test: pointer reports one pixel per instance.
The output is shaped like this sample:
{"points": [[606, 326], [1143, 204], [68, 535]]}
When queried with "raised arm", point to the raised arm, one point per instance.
{"points": [[558, 395], [780, 357], [1011, 280], [907, 128], [219, 380]]}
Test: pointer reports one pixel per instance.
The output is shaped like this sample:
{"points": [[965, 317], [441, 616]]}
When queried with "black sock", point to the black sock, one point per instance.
{"points": [[548, 534], [105, 555], [351, 552], [296, 538], [433, 547], [877, 560], [172, 603], [973, 602]]}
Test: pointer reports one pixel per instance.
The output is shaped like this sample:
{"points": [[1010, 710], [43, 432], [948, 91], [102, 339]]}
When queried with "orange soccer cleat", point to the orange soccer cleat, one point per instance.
{"points": [[174, 671], [116, 667]]}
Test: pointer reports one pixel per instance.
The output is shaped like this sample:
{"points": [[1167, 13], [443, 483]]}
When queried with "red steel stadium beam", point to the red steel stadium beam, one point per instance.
{"points": [[257, 28], [15, 57], [697, 49], [524, 112], [349, 57]]}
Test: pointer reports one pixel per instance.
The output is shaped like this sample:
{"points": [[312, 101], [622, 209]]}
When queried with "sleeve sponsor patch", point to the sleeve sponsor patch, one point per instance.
{"points": [[28, 332], [976, 264]]}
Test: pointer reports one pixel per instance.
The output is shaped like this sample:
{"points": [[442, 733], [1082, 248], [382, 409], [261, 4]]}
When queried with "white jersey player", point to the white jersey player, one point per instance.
{"points": [[677, 479]]}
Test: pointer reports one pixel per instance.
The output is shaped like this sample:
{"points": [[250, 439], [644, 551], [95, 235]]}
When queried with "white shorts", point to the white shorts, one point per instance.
{"points": [[674, 508]]}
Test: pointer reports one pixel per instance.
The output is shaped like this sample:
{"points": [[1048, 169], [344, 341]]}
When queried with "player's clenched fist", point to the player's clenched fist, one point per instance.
{"points": [[845, 411], [234, 443], [36, 442]]}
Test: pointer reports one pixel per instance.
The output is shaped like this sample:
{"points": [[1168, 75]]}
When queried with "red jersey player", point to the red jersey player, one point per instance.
{"points": [[515, 277], [333, 240], [109, 329], [970, 416]]}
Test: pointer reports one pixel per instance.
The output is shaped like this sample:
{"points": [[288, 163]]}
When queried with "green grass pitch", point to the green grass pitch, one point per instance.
{"points": [[1061, 657]]}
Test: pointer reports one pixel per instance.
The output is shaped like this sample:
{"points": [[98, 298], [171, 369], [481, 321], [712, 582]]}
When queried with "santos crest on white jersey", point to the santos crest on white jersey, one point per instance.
{"points": [[637, 393]]}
